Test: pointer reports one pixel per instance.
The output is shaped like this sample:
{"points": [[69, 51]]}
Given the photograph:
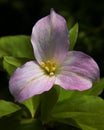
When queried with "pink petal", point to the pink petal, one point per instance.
{"points": [[72, 81], [29, 80], [50, 38], [77, 72], [81, 64]]}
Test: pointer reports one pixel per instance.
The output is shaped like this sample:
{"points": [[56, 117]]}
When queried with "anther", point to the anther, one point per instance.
{"points": [[42, 64], [53, 68], [51, 73], [49, 66]]}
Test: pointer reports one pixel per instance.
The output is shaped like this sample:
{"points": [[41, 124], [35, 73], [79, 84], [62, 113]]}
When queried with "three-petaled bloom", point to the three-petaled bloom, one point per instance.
{"points": [[72, 70]]}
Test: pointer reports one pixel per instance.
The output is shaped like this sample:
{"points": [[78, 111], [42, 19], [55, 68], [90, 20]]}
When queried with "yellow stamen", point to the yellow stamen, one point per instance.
{"points": [[42, 64], [51, 73], [46, 68], [49, 66]]}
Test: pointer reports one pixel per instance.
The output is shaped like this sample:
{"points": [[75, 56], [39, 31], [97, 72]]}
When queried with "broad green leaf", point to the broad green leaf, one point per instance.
{"points": [[48, 101], [7, 108], [86, 110], [70, 122], [11, 63], [32, 104], [87, 127], [65, 94], [16, 46], [73, 35], [77, 104]]}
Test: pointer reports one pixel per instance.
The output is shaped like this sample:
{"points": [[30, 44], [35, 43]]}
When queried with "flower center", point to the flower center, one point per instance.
{"points": [[49, 67]]}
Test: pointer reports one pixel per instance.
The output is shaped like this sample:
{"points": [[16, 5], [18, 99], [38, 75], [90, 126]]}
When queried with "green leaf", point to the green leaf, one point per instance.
{"points": [[64, 94], [30, 124], [16, 46], [70, 22], [96, 89], [11, 63], [73, 35], [48, 101], [7, 108], [32, 104], [86, 110], [23, 124]]}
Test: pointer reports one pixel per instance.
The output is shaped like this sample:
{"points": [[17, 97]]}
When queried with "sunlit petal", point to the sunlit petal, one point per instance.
{"points": [[50, 38], [29, 80], [81, 64], [72, 81]]}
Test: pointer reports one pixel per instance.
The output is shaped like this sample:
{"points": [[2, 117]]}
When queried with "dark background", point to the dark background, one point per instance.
{"points": [[18, 17]]}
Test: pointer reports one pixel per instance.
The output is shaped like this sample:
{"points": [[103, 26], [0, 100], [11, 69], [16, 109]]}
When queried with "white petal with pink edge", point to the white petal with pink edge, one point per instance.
{"points": [[50, 38], [72, 81], [29, 80], [81, 64]]}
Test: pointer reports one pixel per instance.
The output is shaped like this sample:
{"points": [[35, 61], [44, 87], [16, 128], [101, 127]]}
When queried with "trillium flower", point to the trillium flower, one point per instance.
{"points": [[71, 70]]}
